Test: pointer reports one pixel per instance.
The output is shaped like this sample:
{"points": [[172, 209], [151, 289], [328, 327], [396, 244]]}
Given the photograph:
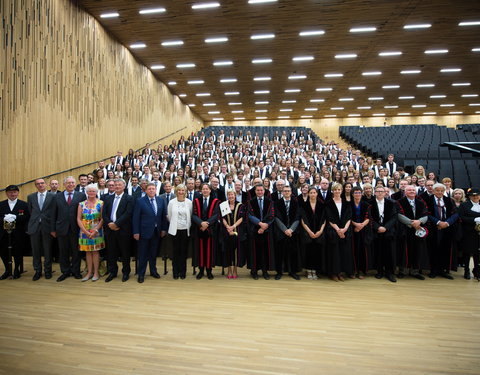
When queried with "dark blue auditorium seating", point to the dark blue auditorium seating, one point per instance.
{"points": [[261, 130], [415, 145]]}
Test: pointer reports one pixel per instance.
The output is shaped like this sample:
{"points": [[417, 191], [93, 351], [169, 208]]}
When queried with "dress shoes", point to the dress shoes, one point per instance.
{"points": [[110, 278], [401, 275], [5, 275], [95, 278], [266, 276], [86, 278], [418, 276], [78, 276], [125, 277], [37, 276], [141, 279], [199, 275], [391, 277], [254, 275], [209, 276], [48, 275], [16, 274], [155, 275], [182, 277], [278, 276], [175, 277], [466, 275], [62, 277], [294, 276], [341, 278], [334, 278], [432, 275], [446, 275], [379, 275]]}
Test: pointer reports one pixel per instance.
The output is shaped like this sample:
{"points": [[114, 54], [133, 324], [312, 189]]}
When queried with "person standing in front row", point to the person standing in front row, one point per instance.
{"points": [[469, 213], [40, 225], [149, 224], [205, 217], [66, 229]]}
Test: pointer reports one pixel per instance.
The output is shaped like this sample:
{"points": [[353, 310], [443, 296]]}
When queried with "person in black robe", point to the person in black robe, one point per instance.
{"points": [[260, 220], [313, 224], [205, 219], [339, 237], [286, 240], [469, 213], [362, 234]]}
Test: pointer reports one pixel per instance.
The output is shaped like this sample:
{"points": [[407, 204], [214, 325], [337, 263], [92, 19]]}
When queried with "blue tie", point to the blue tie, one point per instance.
{"points": [[154, 206], [260, 204]]}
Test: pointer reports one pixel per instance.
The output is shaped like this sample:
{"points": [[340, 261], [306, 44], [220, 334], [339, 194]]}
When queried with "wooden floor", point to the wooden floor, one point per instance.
{"points": [[239, 326]]}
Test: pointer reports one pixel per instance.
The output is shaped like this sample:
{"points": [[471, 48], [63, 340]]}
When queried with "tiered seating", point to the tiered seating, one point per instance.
{"points": [[261, 130], [469, 128], [420, 145]]}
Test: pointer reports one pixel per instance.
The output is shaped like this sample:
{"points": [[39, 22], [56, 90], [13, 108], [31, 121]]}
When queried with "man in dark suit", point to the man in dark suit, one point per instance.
{"points": [[65, 228], [169, 194], [241, 196], [117, 221], [19, 239], [149, 224], [82, 183], [216, 191], [324, 193], [278, 190], [426, 194], [41, 206], [191, 193], [286, 220]]}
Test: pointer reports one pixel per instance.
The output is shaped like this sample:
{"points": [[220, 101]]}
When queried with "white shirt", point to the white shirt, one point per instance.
{"points": [[12, 204], [339, 208], [381, 207], [115, 207], [44, 196], [182, 215]]}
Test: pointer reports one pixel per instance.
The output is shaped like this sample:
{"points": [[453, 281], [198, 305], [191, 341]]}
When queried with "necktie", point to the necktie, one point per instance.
{"points": [[287, 206], [69, 200], [83, 190], [41, 200], [324, 195], [205, 205], [152, 202], [412, 203], [113, 217], [260, 204], [190, 195], [168, 197]]}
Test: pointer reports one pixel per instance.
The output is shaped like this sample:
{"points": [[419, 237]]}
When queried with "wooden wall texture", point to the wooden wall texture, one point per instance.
{"points": [[70, 94]]}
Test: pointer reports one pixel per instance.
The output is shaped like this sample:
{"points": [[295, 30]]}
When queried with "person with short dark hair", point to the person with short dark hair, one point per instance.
{"points": [[469, 213]]}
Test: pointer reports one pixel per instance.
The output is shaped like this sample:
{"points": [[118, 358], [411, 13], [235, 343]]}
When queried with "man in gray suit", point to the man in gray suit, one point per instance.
{"points": [[40, 225], [66, 229]]}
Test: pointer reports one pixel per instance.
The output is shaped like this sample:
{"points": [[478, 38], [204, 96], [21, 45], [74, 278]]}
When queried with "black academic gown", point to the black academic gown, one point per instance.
{"points": [[361, 241], [262, 254]]}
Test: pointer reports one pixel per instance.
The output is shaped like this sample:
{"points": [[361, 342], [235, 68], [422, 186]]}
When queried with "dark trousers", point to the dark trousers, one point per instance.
{"points": [[384, 249], [17, 252], [69, 253], [440, 252], [260, 254], [180, 250], [286, 255], [41, 241], [147, 253], [118, 245]]}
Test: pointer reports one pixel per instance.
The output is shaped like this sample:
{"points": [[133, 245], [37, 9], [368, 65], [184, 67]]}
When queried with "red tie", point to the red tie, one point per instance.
{"points": [[69, 200]]}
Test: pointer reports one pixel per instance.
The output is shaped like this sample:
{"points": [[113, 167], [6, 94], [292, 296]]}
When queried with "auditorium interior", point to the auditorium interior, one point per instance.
{"points": [[83, 79]]}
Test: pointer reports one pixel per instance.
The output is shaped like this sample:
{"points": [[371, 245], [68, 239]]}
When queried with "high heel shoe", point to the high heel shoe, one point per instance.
{"points": [[95, 278], [86, 278]]}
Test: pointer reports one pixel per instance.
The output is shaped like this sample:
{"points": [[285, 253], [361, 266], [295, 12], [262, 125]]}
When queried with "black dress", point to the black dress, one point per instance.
{"points": [[313, 250], [233, 247], [361, 241]]}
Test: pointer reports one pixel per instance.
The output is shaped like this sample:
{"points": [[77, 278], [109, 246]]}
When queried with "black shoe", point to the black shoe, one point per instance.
{"points": [[278, 276], [401, 275], [210, 276], [199, 275], [48, 275], [294, 276], [125, 277], [391, 277], [63, 276], [175, 277], [182, 277], [447, 275], [141, 279], [110, 278], [432, 275], [466, 275], [418, 276], [16, 274], [379, 275], [155, 275], [78, 276], [254, 275], [5, 275], [265, 275], [37, 276]]}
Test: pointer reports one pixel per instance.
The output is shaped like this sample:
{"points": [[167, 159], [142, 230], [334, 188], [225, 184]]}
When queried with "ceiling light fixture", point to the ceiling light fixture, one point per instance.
{"points": [[205, 5], [152, 11]]}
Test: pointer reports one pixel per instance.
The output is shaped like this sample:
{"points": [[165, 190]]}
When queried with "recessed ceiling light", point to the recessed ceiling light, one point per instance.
{"points": [[330, 116], [346, 99], [239, 111], [317, 100], [170, 43], [346, 56], [461, 84], [447, 105], [191, 105], [311, 109], [411, 71], [157, 67], [311, 32], [333, 75], [182, 95], [228, 80], [205, 5], [436, 51], [261, 110], [152, 11], [372, 73], [406, 97], [217, 119], [450, 70], [262, 61], [260, 118], [222, 63], [283, 117], [455, 113], [185, 65], [109, 15], [292, 90], [365, 107], [379, 114], [324, 89], [262, 78], [306, 116], [429, 113], [138, 45], [261, 92], [423, 85], [476, 49], [438, 96], [203, 94], [386, 87], [262, 36], [474, 104], [285, 110], [363, 29], [375, 98], [213, 112], [390, 53], [288, 101], [235, 103], [239, 118], [336, 108], [354, 115], [232, 93], [261, 102], [220, 39], [357, 88], [403, 114], [419, 105], [196, 82], [261, 1], [302, 58], [297, 76], [209, 104], [417, 26], [390, 106], [469, 95], [469, 23], [172, 83]]}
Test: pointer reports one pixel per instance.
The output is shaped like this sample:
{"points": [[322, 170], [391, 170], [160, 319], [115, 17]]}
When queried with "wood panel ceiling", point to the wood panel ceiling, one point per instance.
{"points": [[261, 90]]}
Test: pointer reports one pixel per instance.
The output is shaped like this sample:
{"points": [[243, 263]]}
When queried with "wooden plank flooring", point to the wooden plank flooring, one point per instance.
{"points": [[239, 326]]}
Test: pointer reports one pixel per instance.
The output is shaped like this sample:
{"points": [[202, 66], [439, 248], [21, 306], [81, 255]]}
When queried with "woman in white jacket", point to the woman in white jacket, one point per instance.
{"points": [[180, 217]]}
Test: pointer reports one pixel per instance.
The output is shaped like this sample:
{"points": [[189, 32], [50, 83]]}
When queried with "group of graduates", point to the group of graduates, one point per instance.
{"points": [[268, 204]]}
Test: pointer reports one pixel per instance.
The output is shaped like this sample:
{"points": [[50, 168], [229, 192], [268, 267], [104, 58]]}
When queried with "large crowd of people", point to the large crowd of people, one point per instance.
{"points": [[288, 203]]}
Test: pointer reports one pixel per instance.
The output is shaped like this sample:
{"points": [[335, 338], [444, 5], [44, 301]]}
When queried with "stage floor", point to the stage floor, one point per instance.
{"points": [[239, 326]]}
